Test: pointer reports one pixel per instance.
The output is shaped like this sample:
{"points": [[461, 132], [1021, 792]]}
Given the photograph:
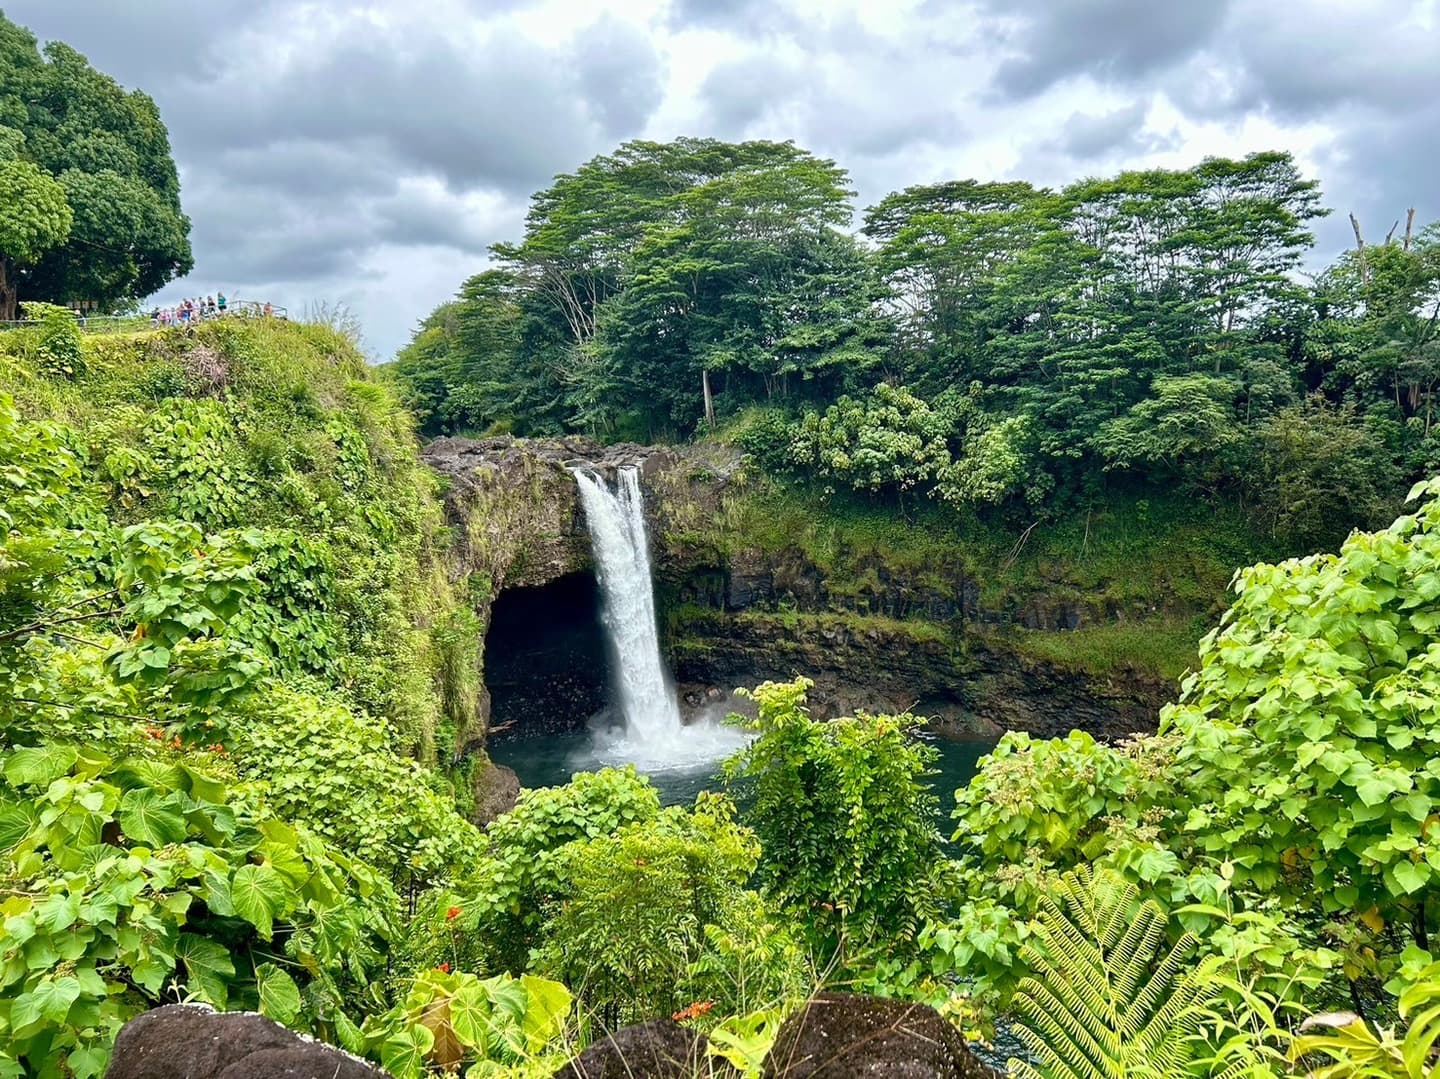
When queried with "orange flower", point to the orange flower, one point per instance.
{"points": [[443, 968], [452, 914], [693, 1011]]}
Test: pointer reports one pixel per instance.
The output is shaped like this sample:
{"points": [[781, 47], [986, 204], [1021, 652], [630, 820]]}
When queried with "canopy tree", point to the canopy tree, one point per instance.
{"points": [[650, 269], [71, 137]]}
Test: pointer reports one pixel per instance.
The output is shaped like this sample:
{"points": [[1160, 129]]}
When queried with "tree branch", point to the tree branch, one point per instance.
{"points": [[34, 626]]}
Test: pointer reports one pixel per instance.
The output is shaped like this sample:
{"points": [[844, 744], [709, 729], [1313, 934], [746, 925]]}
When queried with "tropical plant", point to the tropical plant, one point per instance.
{"points": [[524, 856], [888, 440], [143, 877], [634, 911], [1357, 1049], [449, 1019], [744, 1041], [1108, 995]]}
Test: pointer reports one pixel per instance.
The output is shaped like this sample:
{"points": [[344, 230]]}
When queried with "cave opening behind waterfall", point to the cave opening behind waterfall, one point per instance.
{"points": [[546, 663]]}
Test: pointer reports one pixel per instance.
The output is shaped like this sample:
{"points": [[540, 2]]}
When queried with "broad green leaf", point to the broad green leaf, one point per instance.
{"points": [[205, 788], [88, 1062], [547, 1004], [403, 1054], [258, 894], [1371, 789], [208, 967], [39, 766], [151, 818], [49, 1000], [349, 1035], [1410, 876], [279, 995], [470, 1011], [15, 824]]}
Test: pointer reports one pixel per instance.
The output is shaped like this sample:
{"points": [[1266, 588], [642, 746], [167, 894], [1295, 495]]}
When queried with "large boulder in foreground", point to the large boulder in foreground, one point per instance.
{"points": [[660, 1049], [191, 1041], [840, 1035]]}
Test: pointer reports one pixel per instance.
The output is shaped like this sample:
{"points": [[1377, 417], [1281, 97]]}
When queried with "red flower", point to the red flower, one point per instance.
{"points": [[443, 968], [452, 914]]}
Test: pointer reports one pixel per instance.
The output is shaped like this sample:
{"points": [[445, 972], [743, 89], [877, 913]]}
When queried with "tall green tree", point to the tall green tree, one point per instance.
{"points": [[462, 369], [663, 265], [107, 150], [34, 217]]}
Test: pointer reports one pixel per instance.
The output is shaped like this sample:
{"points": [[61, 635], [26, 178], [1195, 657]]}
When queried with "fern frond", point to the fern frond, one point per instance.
{"points": [[1106, 999], [1129, 960], [1061, 1026]]}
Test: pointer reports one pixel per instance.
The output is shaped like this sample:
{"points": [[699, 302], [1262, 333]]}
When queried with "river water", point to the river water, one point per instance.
{"points": [[550, 760]]}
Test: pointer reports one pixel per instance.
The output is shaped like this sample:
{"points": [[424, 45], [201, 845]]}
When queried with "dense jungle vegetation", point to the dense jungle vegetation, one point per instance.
{"points": [[238, 681], [983, 344], [229, 658]]}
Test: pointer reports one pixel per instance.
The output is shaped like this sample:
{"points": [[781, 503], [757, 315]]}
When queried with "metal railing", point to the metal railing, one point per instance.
{"points": [[139, 323]]}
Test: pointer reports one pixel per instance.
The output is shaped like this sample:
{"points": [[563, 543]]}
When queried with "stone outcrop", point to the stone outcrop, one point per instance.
{"points": [[192, 1041], [969, 681], [846, 1036], [496, 790], [660, 1049]]}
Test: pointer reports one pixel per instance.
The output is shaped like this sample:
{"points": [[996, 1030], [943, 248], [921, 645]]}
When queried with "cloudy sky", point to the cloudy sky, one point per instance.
{"points": [[369, 152]]}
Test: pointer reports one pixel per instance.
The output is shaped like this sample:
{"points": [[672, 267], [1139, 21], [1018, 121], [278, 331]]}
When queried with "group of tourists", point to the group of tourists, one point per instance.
{"points": [[188, 311]]}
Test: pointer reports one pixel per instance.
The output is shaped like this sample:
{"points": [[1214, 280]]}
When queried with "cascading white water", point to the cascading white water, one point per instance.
{"points": [[622, 564], [653, 736]]}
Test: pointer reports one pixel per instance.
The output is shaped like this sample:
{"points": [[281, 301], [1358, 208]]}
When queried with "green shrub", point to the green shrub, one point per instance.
{"points": [[58, 345], [845, 820], [524, 860], [133, 880], [630, 917], [335, 770]]}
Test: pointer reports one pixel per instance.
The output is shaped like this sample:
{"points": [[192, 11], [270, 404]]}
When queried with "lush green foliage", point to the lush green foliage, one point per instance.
{"points": [[185, 751], [1032, 346], [1357, 1050], [639, 910], [275, 428], [132, 876], [446, 1019], [1293, 780], [845, 820], [89, 196], [647, 276]]}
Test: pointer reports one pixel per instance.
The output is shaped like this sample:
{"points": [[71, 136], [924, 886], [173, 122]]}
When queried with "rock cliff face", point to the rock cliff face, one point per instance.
{"points": [[736, 614]]}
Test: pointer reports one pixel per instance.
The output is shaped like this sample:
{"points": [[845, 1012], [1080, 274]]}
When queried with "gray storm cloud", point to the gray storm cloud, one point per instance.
{"points": [[372, 151]]}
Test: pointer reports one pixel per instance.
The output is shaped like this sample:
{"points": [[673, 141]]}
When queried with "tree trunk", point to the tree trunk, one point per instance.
{"points": [[7, 292], [709, 399], [1360, 249], [1409, 228]]}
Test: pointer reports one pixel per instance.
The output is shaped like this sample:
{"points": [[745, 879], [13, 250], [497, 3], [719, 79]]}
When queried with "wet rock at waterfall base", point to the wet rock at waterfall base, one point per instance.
{"points": [[191, 1041], [845, 1035], [496, 790], [661, 1049]]}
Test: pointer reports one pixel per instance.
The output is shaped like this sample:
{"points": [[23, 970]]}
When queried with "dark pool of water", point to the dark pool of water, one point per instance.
{"points": [[550, 760]]}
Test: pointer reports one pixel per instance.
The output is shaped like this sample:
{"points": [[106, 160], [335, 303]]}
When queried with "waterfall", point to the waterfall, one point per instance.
{"points": [[622, 565]]}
